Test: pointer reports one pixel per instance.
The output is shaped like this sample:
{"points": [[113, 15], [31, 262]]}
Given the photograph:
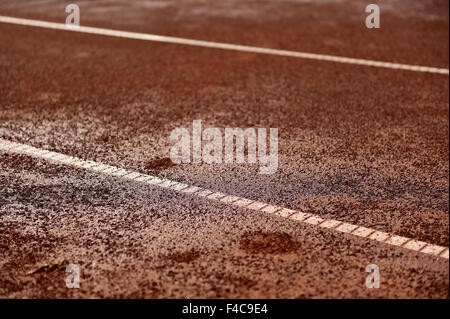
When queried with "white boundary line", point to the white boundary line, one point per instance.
{"points": [[218, 45], [310, 219]]}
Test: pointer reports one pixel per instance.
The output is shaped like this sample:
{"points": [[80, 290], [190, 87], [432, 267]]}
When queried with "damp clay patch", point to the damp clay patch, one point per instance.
{"points": [[183, 257], [159, 163], [267, 243]]}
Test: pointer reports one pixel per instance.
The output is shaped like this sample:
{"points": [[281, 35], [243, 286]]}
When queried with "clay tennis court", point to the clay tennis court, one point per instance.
{"points": [[359, 145]]}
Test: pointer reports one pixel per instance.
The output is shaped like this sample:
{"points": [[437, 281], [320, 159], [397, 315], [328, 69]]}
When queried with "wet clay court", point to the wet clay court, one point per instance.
{"points": [[86, 176]]}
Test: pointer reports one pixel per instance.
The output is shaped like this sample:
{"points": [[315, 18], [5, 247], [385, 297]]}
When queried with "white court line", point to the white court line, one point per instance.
{"points": [[219, 45], [310, 219]]}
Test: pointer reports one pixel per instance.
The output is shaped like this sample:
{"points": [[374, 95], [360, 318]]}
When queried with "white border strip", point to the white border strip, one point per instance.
{"points": [[218, 45], [310, 219]]}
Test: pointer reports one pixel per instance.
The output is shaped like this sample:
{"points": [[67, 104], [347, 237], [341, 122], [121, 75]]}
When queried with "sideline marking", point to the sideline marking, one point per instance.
{"points": [[219, 45], [311, 219]]}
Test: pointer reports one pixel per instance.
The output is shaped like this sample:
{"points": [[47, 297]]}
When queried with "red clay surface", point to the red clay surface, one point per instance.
{"points": [[359, 144]]}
